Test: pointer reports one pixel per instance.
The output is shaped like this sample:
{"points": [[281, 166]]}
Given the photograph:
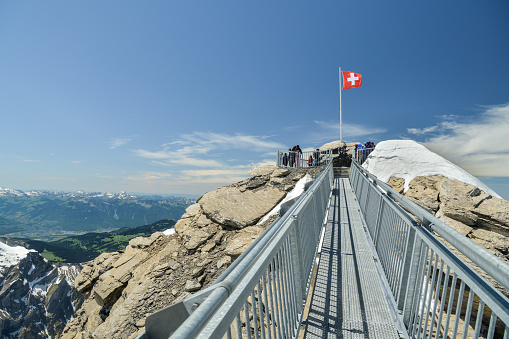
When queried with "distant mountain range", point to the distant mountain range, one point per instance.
{"points": [[42, 215], [86, 247]]}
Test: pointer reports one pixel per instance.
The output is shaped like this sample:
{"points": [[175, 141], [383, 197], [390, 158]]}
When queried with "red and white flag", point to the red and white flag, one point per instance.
{"points": [[351, 79]]}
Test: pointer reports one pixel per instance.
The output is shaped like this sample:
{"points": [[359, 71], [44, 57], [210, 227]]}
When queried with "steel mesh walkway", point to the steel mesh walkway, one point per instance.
{"points": [[348, 300]]}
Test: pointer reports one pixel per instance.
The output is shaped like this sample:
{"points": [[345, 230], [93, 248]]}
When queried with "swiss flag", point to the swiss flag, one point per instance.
{"points": [[351, 80]]}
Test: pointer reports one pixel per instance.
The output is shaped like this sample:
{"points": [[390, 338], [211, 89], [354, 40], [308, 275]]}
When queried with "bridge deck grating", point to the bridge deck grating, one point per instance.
{"points": [[348, 300]]}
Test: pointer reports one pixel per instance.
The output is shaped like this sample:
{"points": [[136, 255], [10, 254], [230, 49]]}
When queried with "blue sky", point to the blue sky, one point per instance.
{"points": [[185, 96]]}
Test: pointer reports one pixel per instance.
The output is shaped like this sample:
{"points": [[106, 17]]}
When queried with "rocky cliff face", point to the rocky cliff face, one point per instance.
{"points": [[37, 299], [124, 287], [474, 213]]}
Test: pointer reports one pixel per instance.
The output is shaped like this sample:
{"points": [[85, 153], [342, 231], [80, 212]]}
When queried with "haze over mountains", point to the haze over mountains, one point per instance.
{"points": [[46, 215]]}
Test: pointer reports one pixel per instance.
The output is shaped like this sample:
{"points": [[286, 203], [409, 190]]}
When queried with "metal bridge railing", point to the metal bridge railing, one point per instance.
{"points": [[262, 293], [436, 293], [301, 159], [361, 154]]}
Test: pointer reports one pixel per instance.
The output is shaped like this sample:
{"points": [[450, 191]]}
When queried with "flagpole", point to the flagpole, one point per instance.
{"points": [[340, 108]]}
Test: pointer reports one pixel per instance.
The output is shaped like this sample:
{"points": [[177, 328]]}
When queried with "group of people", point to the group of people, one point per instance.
{"points": [[294, 158], [362, 151], [369, 144]]}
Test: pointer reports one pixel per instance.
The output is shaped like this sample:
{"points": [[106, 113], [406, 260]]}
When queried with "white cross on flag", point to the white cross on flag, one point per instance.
{"points": [[351, 80]]}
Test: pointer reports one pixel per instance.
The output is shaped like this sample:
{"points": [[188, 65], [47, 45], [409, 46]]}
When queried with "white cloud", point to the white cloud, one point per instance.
{"points": [[119, 142], [216, 140], [480, 147], [149, 176], [201, 149], [421, 131], [29, 160], [442, 127], [205, 158]]}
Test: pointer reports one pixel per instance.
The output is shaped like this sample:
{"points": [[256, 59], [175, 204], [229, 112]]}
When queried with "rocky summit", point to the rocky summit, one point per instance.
{"points": [[124, 287], [471, 211]]}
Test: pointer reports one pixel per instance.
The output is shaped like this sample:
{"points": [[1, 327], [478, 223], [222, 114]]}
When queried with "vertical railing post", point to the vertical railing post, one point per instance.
{"points": [[404, 279], [378, 222], [297, 261], [405, 302]]}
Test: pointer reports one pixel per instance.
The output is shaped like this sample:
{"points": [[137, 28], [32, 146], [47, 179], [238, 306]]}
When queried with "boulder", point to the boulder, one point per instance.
{"points": [[230, 206], [494, 211], [423, 190], [334, 145], [224, 261], [142, 242], [192, 285], [194, 237], [280, 172], [458, 226], [191, 211], [240, 241], [456, 203], [209, 246], [263, 170], [110, 284], [277, 180], [91, 272], [398, 184]]}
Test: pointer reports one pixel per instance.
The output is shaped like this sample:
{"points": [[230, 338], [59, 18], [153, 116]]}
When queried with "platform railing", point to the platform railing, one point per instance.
{"points": [[361, 154], [437, 294], [303, 159], [262, 293]]}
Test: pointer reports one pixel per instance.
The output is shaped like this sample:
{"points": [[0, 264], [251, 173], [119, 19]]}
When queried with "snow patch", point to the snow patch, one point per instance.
{"points": [[297, 191], [31, 269], [169, 231], [70, 272], [12, 255], [408, 159]]}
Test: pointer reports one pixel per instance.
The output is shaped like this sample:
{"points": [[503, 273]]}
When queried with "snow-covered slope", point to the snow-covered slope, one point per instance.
{"points": [[408, 159], [12, 255]]}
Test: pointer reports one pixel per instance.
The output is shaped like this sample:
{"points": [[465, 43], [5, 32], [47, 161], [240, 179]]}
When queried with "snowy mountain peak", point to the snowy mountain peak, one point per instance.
{"points": [[12, 255], [79, 193], [408, 159]]}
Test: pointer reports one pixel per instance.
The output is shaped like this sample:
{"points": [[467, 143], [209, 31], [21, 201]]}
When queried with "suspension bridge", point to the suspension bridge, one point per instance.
{"points": [[351, 258]]}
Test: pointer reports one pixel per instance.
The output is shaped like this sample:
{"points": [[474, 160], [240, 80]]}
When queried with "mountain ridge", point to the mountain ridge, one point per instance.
{"points": [[45, 215], [85, 247]]}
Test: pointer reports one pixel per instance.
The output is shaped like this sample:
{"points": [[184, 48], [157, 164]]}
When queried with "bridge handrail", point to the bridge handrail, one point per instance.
{"points": [[204, 304], [361, 154], [487, 261], [419, 267]]}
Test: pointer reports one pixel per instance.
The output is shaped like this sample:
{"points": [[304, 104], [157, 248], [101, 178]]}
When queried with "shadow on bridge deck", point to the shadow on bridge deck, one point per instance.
{"points": [[348, 299]]}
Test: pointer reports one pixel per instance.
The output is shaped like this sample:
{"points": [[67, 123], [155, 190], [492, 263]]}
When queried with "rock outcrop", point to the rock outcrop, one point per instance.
{"points": [[124, 287], [341, 158], [471, 211], [335, 145]]}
